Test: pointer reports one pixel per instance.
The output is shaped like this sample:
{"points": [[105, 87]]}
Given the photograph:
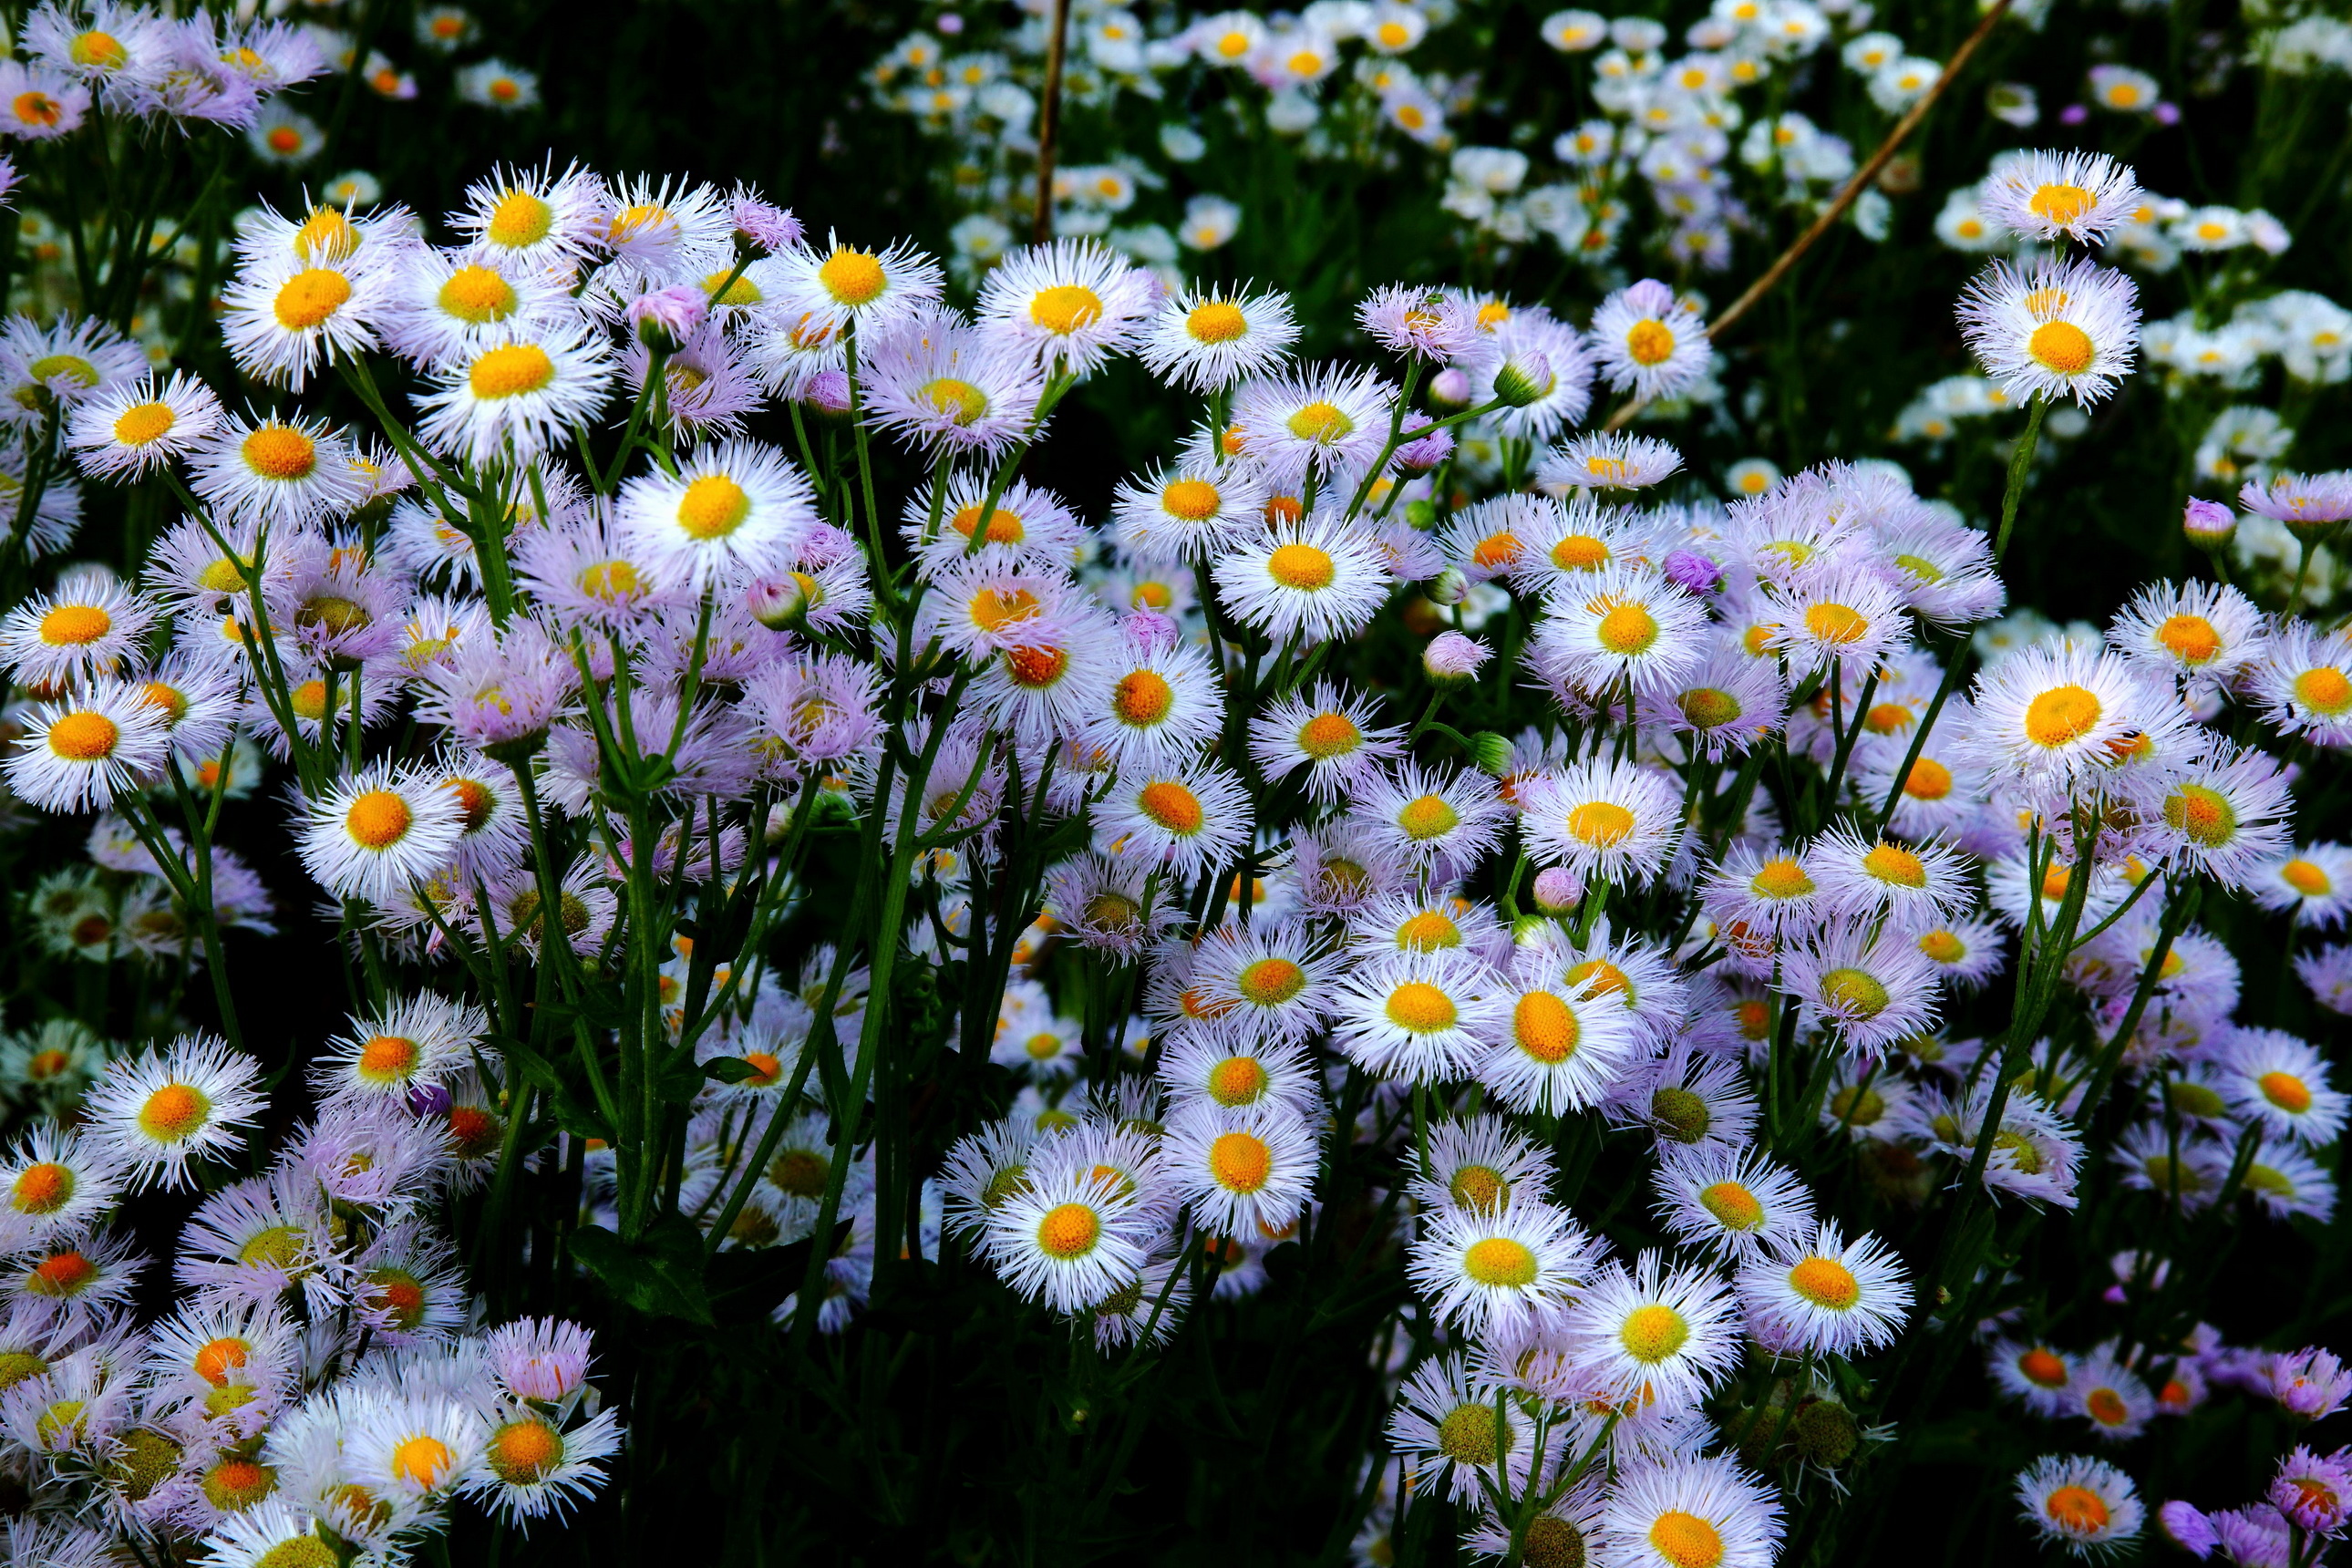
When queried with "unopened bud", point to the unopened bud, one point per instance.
{"points": [[1449, 587], [1558, 890], [666, 318], [1490, 752], [1523, 379], [1451, 658], [1421, 516], [1449, 388], [2208, 524]]}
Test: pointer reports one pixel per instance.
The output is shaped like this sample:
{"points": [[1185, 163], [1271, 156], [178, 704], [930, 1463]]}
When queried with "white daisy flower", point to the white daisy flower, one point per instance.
{"points": [[1208, 338], [1481, 1270], [1424, 1016], [523, 396], [157, 1109], [2041, 196], [1457, 1429], [1820, 1295], [1067, 1237], [89, 627], [1649, 342], [830, 287], [1240, 1167], [1622, 623], [537, 217], [378, 831], [87, 749], [448, 305], [276, 471], [1480, 1166], [1842, 614], [1327, 732], [2198, 632], [531, 1467], [285, 319], [135, 428], [1565, 1045], [933, 380], [1325, 422], [2305, 686], [1193, 818], [2061, 718], [2227, 814], [1732, 1203], [2280, 1082], [2060, 329], [1237, 1075], [1315, 580], [1691, 1512], [1871, 988], [2087, 1506], [1074, 304], [1163, 705], [1608, 460], [1424, 816], [2314, 884], [1914, 886], [1654, 1332], [1605, 820], [1190, 511], [56, 1183], [735, 509]]}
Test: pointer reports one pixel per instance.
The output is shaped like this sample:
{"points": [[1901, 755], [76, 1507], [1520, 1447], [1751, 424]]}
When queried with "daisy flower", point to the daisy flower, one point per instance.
{"points": [[1773, 888], [88, 627], [2305, 686], [421, 1041], [1239, 1074], [1073, 305], [1190, 511], [1327, 732], [87, 749], [1820, 1295], [1240, 1167], [1319, 422], [532, 1468], [1691, 1512], [1266, 981], [1565, 1046], [1841, 614], [2041, 196], [524, 397], [2062, 717], [1419, 323], [1913, 887], [2314, 884], [2058, 329], [736, 509], [1966, 953], [1027, 527], [1488, 1269], [378, 831], [1869, 988], [276, 471], [2286, 1182], [2087, 1506], [1066, 1236], [1053, 682], [1193, 817], [1315, 580], [933, 380], [2227, 814], [1609, 460], [1649, 342], [1622, 623], [449, 305], [2031, 1372], [2201, 633], [1654, 1332], [1480, 1166], [2109, 1396], [133, 429], [1207, 339], [839, 284], [538, 218], [156, 1110], [1461, 1431], [1424, 1016], [1604, 820], [284, 319], [56, 1183], [2278, 1081], [1733, 1202], [1424, 816]]}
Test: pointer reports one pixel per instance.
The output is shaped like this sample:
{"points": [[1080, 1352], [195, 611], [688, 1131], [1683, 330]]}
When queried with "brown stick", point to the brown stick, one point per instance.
{"points": [[1846, 197], [1049, 122]]}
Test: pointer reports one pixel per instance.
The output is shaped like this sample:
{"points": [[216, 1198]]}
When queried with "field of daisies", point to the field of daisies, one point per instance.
{"points": [[1422, 782]]}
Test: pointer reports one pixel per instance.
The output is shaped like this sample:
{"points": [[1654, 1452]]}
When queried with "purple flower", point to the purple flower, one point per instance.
{"points": [[767, 225], [426, 1100], [828, 392], [1693, 571], [2207, 521], [1420, 456], [1558, 888], [1148, 632], [2167, 114], [2190, 1529], [1451, 386], [2311, 1383], [2073, 114], [1450, 658], [2254, 1537], [7, 177], [2313, 1492], [666, 318]]}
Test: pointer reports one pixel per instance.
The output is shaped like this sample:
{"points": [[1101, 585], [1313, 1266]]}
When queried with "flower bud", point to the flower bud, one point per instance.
{"points": [[666, 318], [1693, 571], [1449, 587], [1449, 388], [2208, 524], [1525, 377], [1490, 752], [1557, 890], [1421, 516], [1451, 658]]}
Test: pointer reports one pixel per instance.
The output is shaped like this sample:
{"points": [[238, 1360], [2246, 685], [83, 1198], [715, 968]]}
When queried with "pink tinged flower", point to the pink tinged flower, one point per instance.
{"points": [[1689, 569], [1420, 456], [2207, 522], [2188, 1529], [1558, 888], [828, 391], [1452, 657], [664, 319], [2310, 1382], [771, 227], [1148, 632], [2313, 1492]]}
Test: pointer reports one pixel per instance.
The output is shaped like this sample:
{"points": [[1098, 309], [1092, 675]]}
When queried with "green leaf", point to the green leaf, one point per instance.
{"points": [[660, 1274], [730, 1069], [676, 1077]]}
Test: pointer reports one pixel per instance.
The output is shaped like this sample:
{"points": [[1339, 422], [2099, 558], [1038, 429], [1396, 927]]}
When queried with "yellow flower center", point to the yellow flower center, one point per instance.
{"points": [[1601, 977], [1650, 342], [101, 50], [2189, 638], [2306, 877], [1943, 946], [1065, 307], [1826, 1282], [1854, 994], [1328, 735], [1928, 780], [1733, 1205], [525, 1451], [1893, 863], [1709, 706], [2059, 205], [1834, 623], [143, 424], [2324, 690], [478, 295], [511, 369], [1500, 1262], [1627, 629], [1194, 500], [388, 1058], [1238, 1080], [280, 452], [2286, 1091], [308, 297], [83, 737], [713, 506], [1780, 878], [378, 820], [853, 278], [1580, 552], [1545, 1027], [1653, 1333], [1421, 1008], [1301, 566], [2202, 814], [174, 1112], [1427, 932], [1601, 823], [1479, 1189], [519, 220], [72, 625], [423, 1460], [960, 401], [1142, 697], [1068, 1231], [1171, 806], [44, 1188], [1216, 322], [1686, 1541], [2061, 346], [1426, 817], [2078, 1510], [1241, 1161], [2061, 715], [1271, 982], [1321, 422]]}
